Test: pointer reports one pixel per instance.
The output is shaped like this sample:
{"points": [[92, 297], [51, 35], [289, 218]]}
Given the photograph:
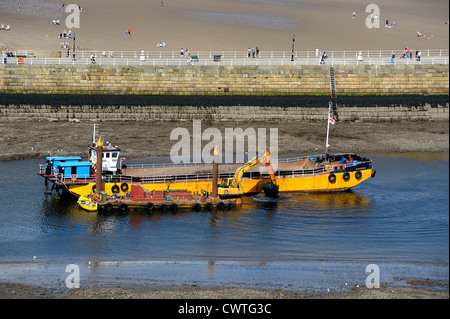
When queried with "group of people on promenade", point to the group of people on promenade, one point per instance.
{"points": [[407, 54], [7, 54], [253, 53], [323, 56]]}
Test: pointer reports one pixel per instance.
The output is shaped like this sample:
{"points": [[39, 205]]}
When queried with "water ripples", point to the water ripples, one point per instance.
{"points": [[396, 216]]}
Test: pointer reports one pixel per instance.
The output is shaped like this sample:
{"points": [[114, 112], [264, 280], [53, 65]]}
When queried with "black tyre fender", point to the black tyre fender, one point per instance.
{"points": [[220, 205], [108, 207], [124, 187], [346, 176], [332, 178], [123, 207], [358, 175], [162, 207], [173, 207], [115, 189], [208, 206], [149, 207], [196, 207]]}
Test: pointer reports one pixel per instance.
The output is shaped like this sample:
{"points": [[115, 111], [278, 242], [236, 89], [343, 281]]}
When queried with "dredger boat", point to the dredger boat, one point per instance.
{"points": [[310, 173]]}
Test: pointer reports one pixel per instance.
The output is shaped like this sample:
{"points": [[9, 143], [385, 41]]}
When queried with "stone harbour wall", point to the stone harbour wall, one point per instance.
{"points": [[219, 113], [222, 93], [222, 80]]}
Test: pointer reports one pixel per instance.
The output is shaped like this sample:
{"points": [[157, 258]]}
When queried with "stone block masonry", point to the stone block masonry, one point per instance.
{"points": [[223, 80], [222, 93]]}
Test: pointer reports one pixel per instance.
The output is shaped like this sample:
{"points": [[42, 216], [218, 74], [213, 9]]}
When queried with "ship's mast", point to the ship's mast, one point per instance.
{"points": [[328, 129], [95, 134]]}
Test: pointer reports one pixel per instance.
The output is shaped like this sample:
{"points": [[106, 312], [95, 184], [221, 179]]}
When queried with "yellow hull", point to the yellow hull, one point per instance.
{"points": [[316, 183]]}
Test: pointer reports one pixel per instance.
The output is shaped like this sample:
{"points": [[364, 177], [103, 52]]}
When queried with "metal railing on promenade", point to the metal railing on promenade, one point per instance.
{"points": [[236, 58], [231, 62], [287, 55]]}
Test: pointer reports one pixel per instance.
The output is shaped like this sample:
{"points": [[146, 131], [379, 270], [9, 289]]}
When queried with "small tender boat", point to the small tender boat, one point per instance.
{"points": [[87, 204]]}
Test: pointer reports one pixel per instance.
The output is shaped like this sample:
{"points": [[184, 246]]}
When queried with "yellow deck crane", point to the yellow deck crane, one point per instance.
{"points": [[231, 187]]}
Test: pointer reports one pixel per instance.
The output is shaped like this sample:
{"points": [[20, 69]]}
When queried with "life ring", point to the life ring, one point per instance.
{"points": [[162, 207], [358, 175], [220, 205], [173, 207], [346, 176], [196, 207], [124, 187], [332, 178], [168, 197], [115, 189], [74, 177], [149, 207]]}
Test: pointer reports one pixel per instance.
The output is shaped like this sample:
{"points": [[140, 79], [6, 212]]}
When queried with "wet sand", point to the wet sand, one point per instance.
{"points": [[36, 139], [18, 291], [227, 25]]}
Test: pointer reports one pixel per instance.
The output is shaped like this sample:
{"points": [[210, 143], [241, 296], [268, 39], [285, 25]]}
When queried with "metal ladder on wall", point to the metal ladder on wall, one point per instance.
{"points": [[333, 93]]}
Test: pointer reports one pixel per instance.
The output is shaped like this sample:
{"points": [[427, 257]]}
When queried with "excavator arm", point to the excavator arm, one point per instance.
{"points": [[232, 186], [236, 180]]}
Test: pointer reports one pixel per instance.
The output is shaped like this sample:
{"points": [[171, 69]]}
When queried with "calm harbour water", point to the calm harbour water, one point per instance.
{"points": [[398, 220]]}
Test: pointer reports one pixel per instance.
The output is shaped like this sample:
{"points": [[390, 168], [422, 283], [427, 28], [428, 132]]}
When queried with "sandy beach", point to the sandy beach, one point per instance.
{"points": [[18, 291], [35, 139], [233, 25]]}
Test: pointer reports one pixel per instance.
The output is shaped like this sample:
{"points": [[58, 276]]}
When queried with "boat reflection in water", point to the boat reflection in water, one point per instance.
{"points": [[64, 214], [314, 203]]}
